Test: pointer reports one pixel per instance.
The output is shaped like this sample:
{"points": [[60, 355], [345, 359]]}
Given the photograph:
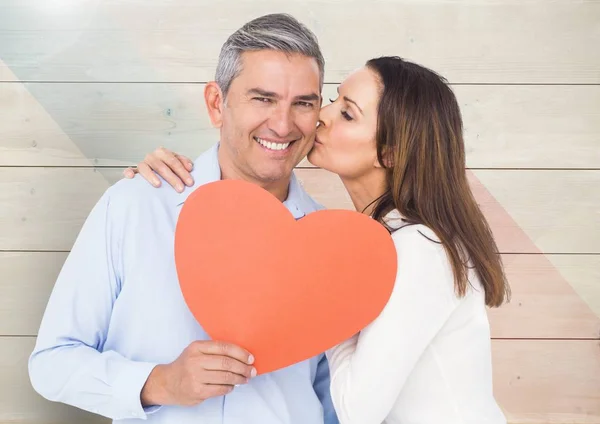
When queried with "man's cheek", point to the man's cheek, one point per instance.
{"points": [[308, 127]]}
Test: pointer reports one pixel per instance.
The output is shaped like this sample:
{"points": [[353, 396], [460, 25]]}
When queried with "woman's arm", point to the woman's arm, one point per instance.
{"points": [[172, 167], [369, 371]]}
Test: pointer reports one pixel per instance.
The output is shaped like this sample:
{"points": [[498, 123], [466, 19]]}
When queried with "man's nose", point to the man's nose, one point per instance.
{"points": [[281, 121]]}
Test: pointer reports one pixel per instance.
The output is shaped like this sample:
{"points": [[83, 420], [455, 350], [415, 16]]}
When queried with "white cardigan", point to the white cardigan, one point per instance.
{"points": [[427, 358]]}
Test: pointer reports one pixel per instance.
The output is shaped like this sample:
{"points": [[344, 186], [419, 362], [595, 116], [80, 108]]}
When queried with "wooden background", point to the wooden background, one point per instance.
{"points": [[87, 87]]}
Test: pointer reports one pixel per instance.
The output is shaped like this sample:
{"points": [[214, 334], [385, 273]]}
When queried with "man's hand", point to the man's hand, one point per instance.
{"points": [[204, 369]]}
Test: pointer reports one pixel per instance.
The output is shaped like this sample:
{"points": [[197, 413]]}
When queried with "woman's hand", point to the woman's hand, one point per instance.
{"points": [[172, 167]]}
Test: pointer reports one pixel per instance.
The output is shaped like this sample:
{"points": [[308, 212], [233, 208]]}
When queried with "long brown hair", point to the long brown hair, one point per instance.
{"points": [[420, 143]]}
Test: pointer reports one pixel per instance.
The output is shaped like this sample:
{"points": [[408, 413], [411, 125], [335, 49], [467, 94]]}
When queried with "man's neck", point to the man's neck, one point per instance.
{"points": [[279, 189]]}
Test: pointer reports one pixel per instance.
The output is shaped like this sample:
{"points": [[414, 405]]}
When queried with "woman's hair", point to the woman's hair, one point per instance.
{"points": [[420, 144]]}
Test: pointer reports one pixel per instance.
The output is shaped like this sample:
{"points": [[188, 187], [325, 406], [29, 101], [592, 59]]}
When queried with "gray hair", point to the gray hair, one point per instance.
{"points": [[279, 31]]}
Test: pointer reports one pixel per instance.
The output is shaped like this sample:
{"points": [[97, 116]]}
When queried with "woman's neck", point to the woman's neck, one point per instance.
{"points": [[365, 190]]}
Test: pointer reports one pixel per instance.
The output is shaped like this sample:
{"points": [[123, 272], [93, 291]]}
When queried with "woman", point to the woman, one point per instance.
{"points": [[394, 136]]}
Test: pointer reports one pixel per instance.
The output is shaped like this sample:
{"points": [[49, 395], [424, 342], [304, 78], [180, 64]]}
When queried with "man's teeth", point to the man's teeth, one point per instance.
{"points": [[272, 146]]}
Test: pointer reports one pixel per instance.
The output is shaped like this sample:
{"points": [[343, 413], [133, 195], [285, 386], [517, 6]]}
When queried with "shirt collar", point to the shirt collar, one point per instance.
{"points": [[297, 202], [207, 170], [394, 219]]}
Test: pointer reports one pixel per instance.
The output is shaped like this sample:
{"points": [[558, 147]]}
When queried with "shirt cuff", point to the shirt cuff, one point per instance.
{"points": [[128, 389]]}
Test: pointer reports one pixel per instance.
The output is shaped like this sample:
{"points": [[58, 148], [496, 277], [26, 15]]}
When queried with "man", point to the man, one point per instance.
{"points": [[117, 338]]}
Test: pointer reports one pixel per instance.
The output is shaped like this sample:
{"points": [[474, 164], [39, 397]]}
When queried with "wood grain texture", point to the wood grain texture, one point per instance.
{"points": [[19, 403], [118, 124], [100, 124], [558, 210], [529, 211], [548, 381], [544, 304], [583, 273], [535, 382], [467, 41], [531, 126], [26, 283], [44, 208]]}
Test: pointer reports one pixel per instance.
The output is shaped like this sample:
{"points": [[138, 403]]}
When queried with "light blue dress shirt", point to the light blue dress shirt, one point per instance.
{"points": [[116, 311]]}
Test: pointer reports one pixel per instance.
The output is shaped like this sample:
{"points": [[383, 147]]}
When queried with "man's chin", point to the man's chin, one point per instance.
{"points": [[273, 176]]}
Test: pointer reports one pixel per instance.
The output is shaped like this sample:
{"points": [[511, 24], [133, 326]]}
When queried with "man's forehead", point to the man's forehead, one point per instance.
{"points": [[272, 68]]}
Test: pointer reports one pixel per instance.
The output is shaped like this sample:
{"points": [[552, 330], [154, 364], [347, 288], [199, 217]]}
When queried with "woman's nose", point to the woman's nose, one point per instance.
{"points": [[324, 116]]}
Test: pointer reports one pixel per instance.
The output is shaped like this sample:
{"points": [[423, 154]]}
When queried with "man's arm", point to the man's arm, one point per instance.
{"points": [[67, 364], [321, 386]]}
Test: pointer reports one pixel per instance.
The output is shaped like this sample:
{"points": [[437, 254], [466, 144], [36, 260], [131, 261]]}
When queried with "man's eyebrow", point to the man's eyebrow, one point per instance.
{"points": [[312, 97], [309, 97], [349, 100], [263, 93]]}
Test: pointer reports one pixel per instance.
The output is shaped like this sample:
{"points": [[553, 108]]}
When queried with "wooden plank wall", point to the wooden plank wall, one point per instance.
{"points": [[88, 87]]}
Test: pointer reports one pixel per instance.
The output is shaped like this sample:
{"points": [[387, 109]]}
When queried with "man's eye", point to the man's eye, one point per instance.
{"points": [[262, 99], [306, 104]]}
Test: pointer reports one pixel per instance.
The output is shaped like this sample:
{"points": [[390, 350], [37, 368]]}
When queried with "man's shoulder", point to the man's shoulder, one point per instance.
{"points": [[127, 193], [138, 191]]}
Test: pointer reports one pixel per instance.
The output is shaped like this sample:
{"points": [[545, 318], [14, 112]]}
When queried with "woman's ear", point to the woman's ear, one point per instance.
{"points": [[387, 158], [213, 96]]}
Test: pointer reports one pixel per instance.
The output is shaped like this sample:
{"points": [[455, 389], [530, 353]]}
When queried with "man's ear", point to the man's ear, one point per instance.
{"points": [[213, 96]]}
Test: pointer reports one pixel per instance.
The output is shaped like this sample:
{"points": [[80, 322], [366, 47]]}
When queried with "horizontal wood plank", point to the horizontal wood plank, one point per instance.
{"points": [[529, 211], [531, 126], [118, 124], [544, 304], [44, 208], [485, 41], [100, 124], [19, 403], [559, 211], [548, 381], [26, 284], [583, 273], [535, 382]]}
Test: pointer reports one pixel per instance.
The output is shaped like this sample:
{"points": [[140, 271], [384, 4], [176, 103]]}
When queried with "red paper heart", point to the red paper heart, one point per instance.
{"points": [[285, 290]]}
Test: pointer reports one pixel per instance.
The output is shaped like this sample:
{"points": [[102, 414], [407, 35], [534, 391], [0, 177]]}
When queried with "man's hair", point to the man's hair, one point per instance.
{"points": [[279, 32]]}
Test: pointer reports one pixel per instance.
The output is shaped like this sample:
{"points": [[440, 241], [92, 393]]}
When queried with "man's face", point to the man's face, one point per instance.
{"points": [[270, 115]]}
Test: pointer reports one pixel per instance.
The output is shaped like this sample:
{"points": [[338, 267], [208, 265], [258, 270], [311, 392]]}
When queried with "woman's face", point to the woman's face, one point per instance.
{"points": [[345, 140]]}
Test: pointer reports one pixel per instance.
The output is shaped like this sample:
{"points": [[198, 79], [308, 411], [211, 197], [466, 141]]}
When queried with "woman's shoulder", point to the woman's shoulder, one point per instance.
{"points": [[418, 242], [409, 235]]}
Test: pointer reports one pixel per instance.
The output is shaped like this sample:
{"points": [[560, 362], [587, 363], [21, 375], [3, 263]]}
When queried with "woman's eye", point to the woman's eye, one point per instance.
{"points": [[346, 116]]}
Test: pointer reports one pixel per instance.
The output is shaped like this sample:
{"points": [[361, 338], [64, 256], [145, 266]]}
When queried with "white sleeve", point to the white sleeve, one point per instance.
{"points": [[369, 370]]}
